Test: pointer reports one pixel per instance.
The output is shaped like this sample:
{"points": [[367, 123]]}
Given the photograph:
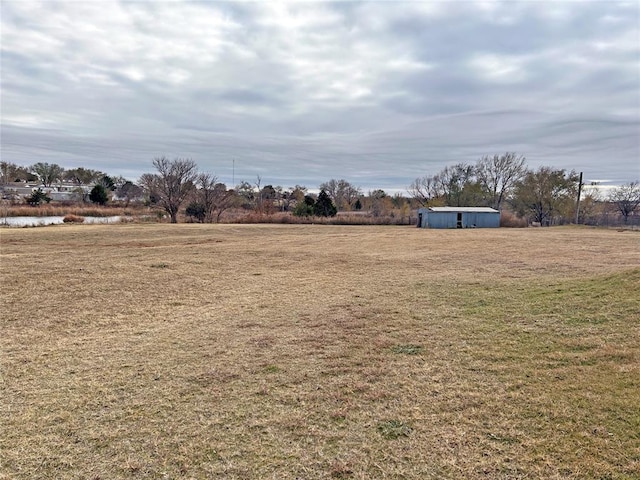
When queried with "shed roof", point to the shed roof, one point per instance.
{"points": [[464, 209]]}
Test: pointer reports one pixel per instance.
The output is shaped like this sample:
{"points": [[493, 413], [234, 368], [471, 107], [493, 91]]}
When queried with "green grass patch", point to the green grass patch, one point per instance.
{"points": [[393, 429]]}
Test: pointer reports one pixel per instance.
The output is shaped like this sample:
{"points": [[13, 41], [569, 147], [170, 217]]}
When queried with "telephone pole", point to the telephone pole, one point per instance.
{"points": [[578, 201]]}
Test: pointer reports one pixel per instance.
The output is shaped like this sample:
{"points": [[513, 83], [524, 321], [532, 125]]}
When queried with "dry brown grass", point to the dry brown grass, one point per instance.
{"points": [[299, 351], [60, 209], [71, 218], [511, 220], [343, 218]]}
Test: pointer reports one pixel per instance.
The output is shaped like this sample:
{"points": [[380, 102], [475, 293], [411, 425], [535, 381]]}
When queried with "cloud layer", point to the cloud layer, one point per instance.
{"points": [[375, 92]]}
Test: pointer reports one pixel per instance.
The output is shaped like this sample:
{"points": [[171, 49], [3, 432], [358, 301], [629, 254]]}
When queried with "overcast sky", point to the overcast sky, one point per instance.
{"points": [[377, 93]]}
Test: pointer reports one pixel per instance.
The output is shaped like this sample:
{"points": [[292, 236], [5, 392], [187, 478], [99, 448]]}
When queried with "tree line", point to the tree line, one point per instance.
{"points": [[178, 182], [49, 175], [543, 195]]}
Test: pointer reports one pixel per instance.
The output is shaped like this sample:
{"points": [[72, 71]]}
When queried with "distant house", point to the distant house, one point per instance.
{"points": [[458, 217], [60, 192], [17, 190]]}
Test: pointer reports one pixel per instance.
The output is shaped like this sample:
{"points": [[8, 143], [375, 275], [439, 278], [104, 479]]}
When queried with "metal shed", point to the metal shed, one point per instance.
{"points": [[458, 217]]}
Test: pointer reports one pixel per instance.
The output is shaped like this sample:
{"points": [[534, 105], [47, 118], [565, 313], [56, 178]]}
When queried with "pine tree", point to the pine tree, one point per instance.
{"points": [[324, 207], [99, 195]]}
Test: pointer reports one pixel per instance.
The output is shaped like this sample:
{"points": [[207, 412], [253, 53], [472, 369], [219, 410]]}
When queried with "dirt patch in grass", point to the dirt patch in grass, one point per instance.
{"points": [[272, 351]]}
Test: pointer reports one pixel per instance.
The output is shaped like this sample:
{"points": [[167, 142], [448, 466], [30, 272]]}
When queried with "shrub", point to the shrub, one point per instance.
{"points": [[305, 207], [510, 219], [71, 218], [196, 210]]}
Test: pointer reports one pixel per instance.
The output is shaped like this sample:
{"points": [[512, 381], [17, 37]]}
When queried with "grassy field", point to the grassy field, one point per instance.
{"points": [[306, 352]]}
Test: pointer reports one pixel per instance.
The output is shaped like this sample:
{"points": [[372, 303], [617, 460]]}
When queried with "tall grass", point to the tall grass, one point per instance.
{"points": [[62, 210], [342, 219], [510, 219]]}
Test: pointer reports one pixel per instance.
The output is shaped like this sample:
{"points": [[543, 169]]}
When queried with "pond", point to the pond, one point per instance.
{"points": [[54, 220]]}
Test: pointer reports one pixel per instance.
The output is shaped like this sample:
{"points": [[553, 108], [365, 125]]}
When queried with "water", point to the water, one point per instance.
{"points": [[55, 220]]}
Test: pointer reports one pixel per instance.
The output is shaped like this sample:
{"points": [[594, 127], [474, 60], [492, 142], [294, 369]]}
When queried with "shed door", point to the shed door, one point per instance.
{"points": [[459, 223]]}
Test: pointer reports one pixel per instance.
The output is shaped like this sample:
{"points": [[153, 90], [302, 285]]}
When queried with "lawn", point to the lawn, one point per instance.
{"points": [[305, 352]]}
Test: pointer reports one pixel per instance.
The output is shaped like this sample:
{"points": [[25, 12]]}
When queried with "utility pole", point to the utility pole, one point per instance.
{"points": [[578, 201], [233, 178]]}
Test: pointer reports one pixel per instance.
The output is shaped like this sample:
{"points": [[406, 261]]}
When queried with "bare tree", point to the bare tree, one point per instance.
{"points": [[349, 193], [148, 182], [82, 176], [499, 174], [424, 190], [129, 191], [10, 172], [341, 192], [48, 173], [626, 198], [453, 181], [173, 183], [330, 188], [224, 199], [7, 172], [214, 197], [205, 182]]}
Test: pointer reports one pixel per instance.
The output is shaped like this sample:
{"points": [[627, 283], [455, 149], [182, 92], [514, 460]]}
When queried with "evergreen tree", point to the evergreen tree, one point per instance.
{"points": [[324, 207], [304, 208], [37, 197], [107, 182], [99, 195]]}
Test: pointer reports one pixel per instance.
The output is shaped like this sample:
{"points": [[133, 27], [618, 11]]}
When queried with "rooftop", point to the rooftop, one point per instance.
{"points": [[464, 209]]}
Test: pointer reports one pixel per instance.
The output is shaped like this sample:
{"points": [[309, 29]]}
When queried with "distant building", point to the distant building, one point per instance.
{"points": [[18, 190], [60, 192], [458, 217]]}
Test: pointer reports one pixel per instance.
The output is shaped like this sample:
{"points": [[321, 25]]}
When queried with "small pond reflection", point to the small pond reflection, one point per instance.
{"points": [[55, 220]]}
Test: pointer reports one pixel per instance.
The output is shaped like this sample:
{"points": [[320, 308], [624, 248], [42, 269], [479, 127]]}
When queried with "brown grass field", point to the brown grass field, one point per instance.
{"points": [[163, 351]]}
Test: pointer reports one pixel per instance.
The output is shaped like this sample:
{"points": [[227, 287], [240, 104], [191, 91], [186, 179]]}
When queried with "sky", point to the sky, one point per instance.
{"points": [[374, 92]]}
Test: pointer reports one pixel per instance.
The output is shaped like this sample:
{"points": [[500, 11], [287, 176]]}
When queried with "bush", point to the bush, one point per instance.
{"points": [[71, 218], [303, 209], [196, 210], [510, 219]]}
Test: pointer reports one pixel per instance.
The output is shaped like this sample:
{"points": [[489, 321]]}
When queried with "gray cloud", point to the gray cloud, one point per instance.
{"points": [[375, 92]]}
